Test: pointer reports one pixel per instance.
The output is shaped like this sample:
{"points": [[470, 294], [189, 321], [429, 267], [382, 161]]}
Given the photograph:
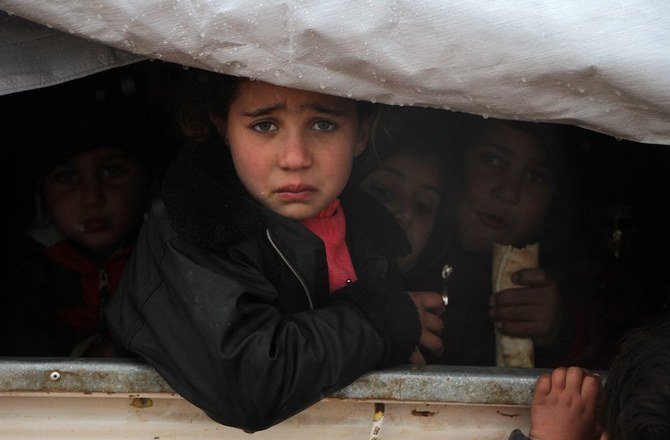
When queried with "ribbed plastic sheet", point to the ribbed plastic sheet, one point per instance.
{"points": [[598, 64]]}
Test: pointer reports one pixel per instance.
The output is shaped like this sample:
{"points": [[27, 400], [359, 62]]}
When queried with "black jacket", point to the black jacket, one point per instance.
{"points": [[34, 289], [229, 301], [51, 297]]}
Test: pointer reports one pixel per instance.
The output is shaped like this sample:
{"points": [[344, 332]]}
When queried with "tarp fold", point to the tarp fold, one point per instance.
{"points": [[597, 64]]}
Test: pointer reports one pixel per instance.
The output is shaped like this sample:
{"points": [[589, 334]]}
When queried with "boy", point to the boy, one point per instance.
{"points": [[91, 187], [636, 401]]}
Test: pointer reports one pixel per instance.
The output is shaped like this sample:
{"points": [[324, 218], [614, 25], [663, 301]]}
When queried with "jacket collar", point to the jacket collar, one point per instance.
{"points": [[205, 199]]}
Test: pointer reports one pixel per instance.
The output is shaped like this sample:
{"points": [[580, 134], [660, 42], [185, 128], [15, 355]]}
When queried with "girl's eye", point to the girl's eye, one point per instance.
{"points": [[264, 126], [66, 176], [491, 160], [381, 193], [424, 209], [539, 177], [323, 125], [114, 170]]}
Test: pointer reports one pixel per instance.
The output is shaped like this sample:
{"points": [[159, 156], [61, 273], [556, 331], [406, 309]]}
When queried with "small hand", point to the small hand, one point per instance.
{"points": [[533, 311], [429, 306], [564, 405]]}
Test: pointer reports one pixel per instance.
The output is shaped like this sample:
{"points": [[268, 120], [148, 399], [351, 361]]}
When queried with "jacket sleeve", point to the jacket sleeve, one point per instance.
{"points": [[209, 326], [517, 435]]}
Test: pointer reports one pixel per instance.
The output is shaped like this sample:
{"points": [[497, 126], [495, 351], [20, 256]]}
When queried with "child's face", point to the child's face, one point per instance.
{"points": [[292, 149], [410, 188], [96, 198], [509, 189]]}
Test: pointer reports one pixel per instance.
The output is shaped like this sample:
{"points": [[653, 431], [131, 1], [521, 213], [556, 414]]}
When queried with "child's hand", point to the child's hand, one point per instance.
{"points": [[430, 306], [564, 406], [534, 311]]}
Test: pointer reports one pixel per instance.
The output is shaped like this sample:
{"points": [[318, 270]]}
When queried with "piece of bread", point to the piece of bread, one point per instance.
{"points": [[511, 351]]}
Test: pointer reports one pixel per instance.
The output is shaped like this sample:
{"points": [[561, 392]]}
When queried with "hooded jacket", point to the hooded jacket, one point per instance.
{"points": [[229, 301]]}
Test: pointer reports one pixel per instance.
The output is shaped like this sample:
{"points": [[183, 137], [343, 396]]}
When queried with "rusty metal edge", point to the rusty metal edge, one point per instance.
{"points": [[421, 384]]}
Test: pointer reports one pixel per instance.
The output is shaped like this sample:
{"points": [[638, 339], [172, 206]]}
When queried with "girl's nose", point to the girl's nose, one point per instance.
{"points": [[508, 190], [92, 192], [295, 153], [403, 215]]}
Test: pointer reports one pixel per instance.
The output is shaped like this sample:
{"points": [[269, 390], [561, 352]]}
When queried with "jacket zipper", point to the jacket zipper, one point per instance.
{"points": [[290, 266], [104, 288]]}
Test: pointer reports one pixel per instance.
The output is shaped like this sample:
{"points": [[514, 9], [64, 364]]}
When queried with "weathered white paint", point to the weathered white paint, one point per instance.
{"points": [[127, 399], [167, 417]]}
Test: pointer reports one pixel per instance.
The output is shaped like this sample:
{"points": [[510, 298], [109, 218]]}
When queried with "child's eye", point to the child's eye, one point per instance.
{"points": [[491, 160], [66, 176], [424, 209], [323, 125], [114, 170], [381, 193], [539, 177], [264, 126]]}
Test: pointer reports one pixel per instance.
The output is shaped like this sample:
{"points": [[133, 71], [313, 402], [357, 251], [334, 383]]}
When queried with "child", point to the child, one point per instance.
{"points": [[516, 189], [636, 401], [249, 290], [91, 193], [413, 182]]}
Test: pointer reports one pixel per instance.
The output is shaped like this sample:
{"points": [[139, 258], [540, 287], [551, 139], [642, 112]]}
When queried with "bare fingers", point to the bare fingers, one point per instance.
{"points": [[558, 379], [590, 391], [542, 387], [431, 301], [431, 343], [417, 358]]}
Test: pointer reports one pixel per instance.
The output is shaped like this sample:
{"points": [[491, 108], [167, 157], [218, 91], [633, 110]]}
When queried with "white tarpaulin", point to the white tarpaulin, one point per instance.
{"points": [[599, 64]]}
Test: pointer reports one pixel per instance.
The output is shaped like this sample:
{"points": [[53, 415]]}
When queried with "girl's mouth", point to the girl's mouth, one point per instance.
{"points": [[295, 192], [95, 224], [491, 221]]}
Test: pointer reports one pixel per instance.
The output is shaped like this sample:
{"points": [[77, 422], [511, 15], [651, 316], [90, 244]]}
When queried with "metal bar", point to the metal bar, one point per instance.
{"points": [[426, 384]]}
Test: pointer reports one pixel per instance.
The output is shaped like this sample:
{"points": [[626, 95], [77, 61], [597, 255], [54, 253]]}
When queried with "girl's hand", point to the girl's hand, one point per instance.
{"points": [[430, 306], [417, 358], [534, 311]]}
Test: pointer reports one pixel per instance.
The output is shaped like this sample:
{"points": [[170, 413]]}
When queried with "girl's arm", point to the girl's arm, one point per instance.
{"points": [[209, 326]]}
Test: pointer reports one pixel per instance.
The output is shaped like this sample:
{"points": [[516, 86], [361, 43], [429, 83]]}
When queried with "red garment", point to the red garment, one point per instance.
{"points": [[329, 225], [85, 319]]}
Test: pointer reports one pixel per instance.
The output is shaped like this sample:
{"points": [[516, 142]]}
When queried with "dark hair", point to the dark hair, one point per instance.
{"points": [[423, 132], [206, 94], [636, 402], [87, 128], [203, 94], [428, 134]]}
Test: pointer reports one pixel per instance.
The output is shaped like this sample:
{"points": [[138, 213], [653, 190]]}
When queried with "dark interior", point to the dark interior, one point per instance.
{"points": [[623, 181]]}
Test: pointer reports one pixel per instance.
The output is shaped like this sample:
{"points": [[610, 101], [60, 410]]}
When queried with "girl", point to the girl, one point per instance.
{"points": [[414, 183], [516, 189], [249, 291]]}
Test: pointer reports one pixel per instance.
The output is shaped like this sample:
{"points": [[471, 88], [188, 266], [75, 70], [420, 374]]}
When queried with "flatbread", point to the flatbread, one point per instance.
{"points": [[511, 351]]}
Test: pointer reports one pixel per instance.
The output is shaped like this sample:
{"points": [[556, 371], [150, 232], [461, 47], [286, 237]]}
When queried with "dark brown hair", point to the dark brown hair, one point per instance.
{"points": [[637, 393], [206, 94]]}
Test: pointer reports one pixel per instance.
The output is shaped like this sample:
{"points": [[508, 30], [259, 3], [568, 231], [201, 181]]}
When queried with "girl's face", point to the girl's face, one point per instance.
{"points": [[410, 188], [509, 189], [293, 150], [96, 198]]}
